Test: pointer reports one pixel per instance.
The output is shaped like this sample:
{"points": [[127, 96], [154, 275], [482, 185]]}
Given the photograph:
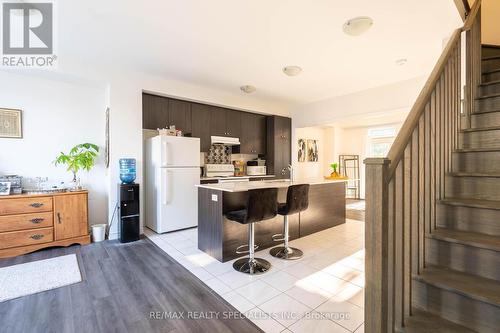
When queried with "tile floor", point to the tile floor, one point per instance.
{"points": [[322, 292]]}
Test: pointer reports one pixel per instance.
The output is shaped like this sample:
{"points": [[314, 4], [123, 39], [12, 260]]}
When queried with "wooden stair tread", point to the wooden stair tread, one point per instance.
{"points": [[475, 174], [471, 286], [479, 112], [475, 203], [488, 96], [480, 129], [425, 322], [491, 57], [483, 241], [491, 71], [489, 83]]}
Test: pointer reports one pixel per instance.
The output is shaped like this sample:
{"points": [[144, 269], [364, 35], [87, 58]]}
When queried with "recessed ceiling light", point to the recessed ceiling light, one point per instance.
{"points": [[358, 25], [292, 70], [401, 62], [248, 89]]}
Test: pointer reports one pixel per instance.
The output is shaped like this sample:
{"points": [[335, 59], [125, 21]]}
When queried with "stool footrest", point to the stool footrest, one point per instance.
{"points": [[239, 251], [278, 237]]}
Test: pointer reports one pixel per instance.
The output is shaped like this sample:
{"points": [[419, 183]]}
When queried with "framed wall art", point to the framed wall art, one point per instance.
{"points": [[11, 123], [312, 151], [301, 154]]}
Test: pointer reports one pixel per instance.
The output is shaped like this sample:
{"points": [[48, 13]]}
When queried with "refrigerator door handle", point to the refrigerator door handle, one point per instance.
{"points": [[165, 152], [164, 192], [168, 188]]}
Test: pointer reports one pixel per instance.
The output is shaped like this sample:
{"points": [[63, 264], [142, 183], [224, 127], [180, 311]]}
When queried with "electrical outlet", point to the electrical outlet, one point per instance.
{"points": [[215, 197]]}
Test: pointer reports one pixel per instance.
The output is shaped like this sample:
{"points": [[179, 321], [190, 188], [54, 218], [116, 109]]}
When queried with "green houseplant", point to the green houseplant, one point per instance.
{"points": [[80, 157]]}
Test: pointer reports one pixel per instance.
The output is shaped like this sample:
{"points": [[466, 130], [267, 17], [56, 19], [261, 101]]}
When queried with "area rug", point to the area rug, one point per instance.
{"points": [[37, 276]]}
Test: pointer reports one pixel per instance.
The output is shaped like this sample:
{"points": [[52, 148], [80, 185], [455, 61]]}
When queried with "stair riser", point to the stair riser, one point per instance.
{"points": [[490, 64], [490, 52], [463, 258], [490, 89], [483, 188], [488, 104], [480, 162], [470, 219], [478, 316], [489, 77], [480, 139], [481, 120]]}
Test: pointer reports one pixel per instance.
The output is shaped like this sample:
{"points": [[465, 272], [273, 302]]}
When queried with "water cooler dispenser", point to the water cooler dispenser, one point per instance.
{"points": [[128, 218]]}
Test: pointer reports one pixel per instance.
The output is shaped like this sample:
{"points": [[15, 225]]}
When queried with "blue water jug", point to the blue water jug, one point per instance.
{"points": [[127, 170]]}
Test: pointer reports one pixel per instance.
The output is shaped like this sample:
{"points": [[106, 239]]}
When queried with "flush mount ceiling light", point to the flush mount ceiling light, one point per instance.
{"points": [[292, 70], [248, 89], [358, 25], [401, 62]]}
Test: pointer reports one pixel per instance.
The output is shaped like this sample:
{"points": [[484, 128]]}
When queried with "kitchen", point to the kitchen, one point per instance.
{"points": [[209, 155]]}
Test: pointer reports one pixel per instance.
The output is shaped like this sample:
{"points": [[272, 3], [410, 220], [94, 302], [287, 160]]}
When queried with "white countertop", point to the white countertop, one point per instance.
{"points": [[278, 183], [237, 177]]}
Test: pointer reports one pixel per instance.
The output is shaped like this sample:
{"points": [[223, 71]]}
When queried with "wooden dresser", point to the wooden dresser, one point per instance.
{"points": [[32, 222]]}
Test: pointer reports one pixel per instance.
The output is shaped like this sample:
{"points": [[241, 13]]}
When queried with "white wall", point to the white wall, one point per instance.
{"points": [[56, 116], [313, 170]]}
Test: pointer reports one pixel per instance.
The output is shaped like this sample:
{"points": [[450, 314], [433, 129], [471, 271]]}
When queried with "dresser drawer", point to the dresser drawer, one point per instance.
{"points": [[26, 237], [26, 221], [25, 205]]}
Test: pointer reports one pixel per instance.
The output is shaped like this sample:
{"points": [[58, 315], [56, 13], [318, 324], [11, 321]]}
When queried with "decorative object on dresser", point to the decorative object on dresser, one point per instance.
{"points": [[32, 222], [4, 188], [15, 183], [80, 157], [11, 125]]}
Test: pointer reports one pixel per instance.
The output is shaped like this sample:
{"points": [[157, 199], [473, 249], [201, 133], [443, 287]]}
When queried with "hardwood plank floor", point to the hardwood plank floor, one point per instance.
{"points": [[122, 284]]}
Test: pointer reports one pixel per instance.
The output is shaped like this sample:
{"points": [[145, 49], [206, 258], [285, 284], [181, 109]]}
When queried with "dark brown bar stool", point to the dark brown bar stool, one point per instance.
{"points": [[262, 204], [297, 200]]}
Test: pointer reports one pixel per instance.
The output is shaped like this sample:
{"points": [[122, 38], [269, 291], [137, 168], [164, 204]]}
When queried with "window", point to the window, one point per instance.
{"points": [[380, 141]]}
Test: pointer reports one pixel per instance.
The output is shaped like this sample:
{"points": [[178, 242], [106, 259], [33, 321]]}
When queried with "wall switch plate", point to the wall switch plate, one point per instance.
{"points": [[215, 197]]}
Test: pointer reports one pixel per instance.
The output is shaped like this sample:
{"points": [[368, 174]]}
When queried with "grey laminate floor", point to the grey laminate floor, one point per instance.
{"points": [[122, 284]]}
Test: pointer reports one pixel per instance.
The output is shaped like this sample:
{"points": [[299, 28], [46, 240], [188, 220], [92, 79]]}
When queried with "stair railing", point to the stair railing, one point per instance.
{"points": [[402, 190]]}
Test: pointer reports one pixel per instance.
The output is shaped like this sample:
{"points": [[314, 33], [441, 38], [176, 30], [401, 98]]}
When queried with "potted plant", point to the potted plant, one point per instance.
{"points": [[334, 174], [80, 157]]}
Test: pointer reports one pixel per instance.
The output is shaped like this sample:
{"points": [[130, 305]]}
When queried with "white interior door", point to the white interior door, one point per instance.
{"points": [[179, 198]]}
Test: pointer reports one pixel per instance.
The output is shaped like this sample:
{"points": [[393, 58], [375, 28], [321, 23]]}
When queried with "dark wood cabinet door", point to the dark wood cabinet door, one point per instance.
{"points": [[260, 134], [218, 121], [179, 114], [247, 138], [233, 123], [200, 124], [154, 112]]}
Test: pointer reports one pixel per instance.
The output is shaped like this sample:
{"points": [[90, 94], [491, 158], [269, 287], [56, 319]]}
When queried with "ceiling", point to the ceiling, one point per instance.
{"points": [[224, 44]]}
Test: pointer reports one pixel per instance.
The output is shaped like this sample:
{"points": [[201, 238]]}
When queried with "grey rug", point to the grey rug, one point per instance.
{"points": [[37, 276]]}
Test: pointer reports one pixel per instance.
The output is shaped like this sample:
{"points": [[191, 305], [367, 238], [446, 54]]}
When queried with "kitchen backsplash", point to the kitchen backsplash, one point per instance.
{"points": [[218, 154]]}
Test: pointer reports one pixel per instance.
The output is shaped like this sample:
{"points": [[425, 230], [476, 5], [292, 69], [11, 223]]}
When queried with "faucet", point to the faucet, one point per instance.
{"points": [[290, 168]]}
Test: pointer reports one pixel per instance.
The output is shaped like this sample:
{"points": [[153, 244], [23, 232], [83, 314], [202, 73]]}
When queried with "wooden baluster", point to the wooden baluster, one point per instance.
{"points": [[421, 193], [407, 219], [415, 174], [427, 178], [399, 246], [432, 166]]}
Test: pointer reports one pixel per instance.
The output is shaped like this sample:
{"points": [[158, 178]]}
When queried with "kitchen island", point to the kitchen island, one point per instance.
{"points": [[219, 237]]}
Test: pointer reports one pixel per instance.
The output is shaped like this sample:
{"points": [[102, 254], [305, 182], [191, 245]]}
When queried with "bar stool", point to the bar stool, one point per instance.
{"points": [[262, 204], [297, 200]]}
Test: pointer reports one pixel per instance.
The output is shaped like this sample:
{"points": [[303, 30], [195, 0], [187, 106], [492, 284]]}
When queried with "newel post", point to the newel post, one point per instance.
{"points": [[376, 246]]}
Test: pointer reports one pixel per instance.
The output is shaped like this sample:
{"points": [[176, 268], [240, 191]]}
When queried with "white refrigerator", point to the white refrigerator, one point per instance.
{"points": [[172, 173]]}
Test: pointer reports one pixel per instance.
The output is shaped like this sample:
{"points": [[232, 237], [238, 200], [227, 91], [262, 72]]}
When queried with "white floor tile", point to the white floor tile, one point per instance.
{"points": [[352, 294], [343, 313], [264, 321], [236, 279], [316, 323], [201, 274], [343, 272], [300, 270], [280, 280], [218, 286], [324, 281], [258, 292], [285, 309], [239, 302], [310, 296], [217, 268], [361, 329]]}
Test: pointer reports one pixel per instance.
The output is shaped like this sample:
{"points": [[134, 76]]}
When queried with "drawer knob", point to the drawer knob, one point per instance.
{"points": [[36, 204], [37, 220], [36, 237]]}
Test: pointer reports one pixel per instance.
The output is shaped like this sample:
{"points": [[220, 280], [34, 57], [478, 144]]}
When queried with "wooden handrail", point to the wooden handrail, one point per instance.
{"points": [[463, 8], [398, 147]]}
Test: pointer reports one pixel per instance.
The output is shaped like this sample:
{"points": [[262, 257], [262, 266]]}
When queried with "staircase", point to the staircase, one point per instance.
{"points": [[461, 279]]}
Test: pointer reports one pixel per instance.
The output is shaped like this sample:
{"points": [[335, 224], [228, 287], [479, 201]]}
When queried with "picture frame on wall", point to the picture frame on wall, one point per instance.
{"points": [[301, 152], [312, 151], [11, 124]]}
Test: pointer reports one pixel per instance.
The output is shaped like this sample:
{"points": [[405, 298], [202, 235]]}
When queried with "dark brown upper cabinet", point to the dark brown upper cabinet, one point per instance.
{"points": [[154, 111], [200, 125], [179, 114], [233, 123], [224, 122], [279, 146], [253, 134]]}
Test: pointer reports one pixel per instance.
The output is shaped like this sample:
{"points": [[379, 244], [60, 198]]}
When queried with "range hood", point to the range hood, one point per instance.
{"points": [[224, 140]]}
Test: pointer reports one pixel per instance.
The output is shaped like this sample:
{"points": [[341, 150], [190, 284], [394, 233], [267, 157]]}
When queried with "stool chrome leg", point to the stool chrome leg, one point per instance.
{"points": [[251, 265], [286, 252]]}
